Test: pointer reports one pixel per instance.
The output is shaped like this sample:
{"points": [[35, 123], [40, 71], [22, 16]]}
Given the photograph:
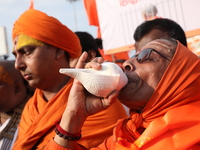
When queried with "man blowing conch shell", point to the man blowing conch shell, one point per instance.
{"points": [[161, 93]]}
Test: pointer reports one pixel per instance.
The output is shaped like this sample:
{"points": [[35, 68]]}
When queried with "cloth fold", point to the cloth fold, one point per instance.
{"points": [[38, 119], [37, 124]]}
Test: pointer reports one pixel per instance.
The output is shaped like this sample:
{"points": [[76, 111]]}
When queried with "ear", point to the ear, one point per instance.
{"points": [[59, 53], [91, 55], [18, 87]]}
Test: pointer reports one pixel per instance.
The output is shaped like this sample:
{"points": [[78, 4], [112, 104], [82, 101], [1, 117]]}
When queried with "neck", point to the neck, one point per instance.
{"points": [[50, 93]]}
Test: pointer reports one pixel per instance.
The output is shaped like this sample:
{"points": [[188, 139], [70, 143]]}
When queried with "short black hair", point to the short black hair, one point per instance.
{"points": [[99, 43], [170, 27], [87, 42]]}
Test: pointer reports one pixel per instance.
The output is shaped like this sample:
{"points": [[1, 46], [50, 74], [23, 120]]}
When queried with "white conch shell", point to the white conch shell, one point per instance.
{"points": [[99, 82]]}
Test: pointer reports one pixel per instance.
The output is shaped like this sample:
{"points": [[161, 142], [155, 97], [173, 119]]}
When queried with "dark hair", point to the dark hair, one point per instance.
{"points": [[170, 27], [87, 42], [99, 43]]}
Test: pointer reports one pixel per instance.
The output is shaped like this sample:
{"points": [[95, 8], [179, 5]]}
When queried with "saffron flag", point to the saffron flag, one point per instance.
{"points": [[91, 10], [31, 4]]}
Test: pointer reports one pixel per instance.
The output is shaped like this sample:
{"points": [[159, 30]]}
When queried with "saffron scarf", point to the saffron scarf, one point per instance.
{"points": [[37, 124], [38, 119]]}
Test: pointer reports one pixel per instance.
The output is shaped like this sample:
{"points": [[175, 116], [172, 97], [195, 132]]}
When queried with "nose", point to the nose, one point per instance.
{"points": [[19, 64], [128, 66]]}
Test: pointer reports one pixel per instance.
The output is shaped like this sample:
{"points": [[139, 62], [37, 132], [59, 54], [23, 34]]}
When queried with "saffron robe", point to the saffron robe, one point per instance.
{"points": [[37, 124]]}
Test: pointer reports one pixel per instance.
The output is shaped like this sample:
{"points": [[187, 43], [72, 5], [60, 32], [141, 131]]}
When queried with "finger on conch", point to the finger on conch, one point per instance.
{"points": [[94, 65], [81, 60], [98, 59]]}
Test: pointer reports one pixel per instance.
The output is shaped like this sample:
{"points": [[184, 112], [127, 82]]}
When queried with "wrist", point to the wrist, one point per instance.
{"points": [[69, 126], [72, 121], [66, 135]]}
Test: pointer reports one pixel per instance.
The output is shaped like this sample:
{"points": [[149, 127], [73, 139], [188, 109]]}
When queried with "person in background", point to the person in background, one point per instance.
{"points": [[158, 28], [99, 43], [88, 44], [162, 96], [14, 94], [94, 47], [150, 12], [117, 58], [42, 46]]}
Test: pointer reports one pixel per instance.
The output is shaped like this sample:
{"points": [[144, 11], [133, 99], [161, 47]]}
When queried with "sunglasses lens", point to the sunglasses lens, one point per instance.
{"points": [[143, 55]]}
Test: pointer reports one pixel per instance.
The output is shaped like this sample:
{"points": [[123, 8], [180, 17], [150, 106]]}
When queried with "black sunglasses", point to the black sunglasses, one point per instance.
{"points": [[145, 54]]}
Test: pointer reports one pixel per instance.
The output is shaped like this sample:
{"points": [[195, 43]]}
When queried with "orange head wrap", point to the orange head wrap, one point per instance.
{"points": [[47, 29], [177, 86]]}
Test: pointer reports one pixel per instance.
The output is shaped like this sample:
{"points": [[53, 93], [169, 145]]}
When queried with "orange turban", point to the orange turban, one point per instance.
{"points": [[47, 29]]}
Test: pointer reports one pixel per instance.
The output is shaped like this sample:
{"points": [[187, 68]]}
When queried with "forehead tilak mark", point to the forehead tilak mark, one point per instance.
{"points": [[168, 48]]}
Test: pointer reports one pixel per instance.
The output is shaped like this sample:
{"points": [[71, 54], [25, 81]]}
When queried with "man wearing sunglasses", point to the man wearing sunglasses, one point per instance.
{"points": [[162, 96], [158, 28]]}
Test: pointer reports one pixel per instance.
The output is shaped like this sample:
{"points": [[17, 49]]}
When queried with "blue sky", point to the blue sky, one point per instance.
{"points": [[63, 10]]}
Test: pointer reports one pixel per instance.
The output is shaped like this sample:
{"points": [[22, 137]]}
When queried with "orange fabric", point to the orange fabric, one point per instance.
{"points": [[38, 119], [105, 57], [31, 4], [121, 55], [47, 29], [170, 120], [98, 32], [116, 56], [37, 124], [91, 10]]}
